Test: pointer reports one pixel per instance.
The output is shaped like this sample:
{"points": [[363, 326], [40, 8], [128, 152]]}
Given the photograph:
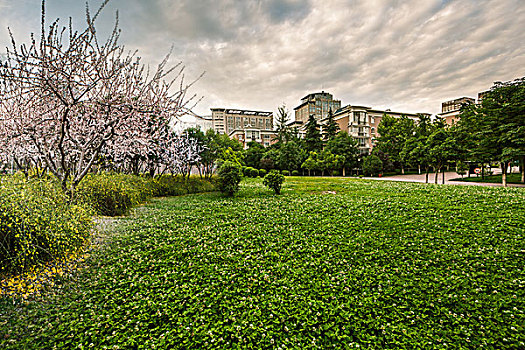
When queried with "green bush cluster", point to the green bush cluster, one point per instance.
{"points": [[262, 172], [114, 194], [250, 172], [37, 223], [171, 185]]}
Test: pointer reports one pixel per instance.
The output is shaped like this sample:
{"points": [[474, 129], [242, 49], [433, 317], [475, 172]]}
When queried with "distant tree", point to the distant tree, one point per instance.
{"points": [[313, 135], [331, 128], [291, 156], [372, 165], [230, 176], [497, 128], [387, 164], [283, 130], [270, 159], [393, 134], [311, 163], [345, 146], [253, 154]]}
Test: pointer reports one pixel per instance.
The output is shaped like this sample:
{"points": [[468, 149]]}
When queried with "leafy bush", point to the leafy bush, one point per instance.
{"points": [[335, 173], [37, 223], [254, 172], [372, 165], [171, 185], [114, 194], [295, 172], [274, 180], [246, 170], [229, 177], [286, 173], [262, 172]]}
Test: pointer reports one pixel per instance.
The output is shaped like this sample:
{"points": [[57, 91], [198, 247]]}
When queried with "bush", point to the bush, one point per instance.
{"points": [[335, 173], [286, 173], [262, 172], [229, 177], [254, 172], [37, 223], [295, 172], [372, 165], [246, 170], [274, 180], [171, 185], [114, 194]]}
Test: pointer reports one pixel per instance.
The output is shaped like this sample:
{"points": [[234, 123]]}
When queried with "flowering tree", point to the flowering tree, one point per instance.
{"points": [[68, 96]]}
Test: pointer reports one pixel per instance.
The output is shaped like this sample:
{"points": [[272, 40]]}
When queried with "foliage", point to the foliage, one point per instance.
{"points": [[291, 156], [253, 154], [331, 127], [229, 177], [295, 173], [113, 194], [262, 172], [37, 223], [312, 138], [345, 146], [311, 163], [285, 173], [171, 185], [461, 168], [274, 181], [371, 264], [372, 165], [394, 132], [283, 130]]}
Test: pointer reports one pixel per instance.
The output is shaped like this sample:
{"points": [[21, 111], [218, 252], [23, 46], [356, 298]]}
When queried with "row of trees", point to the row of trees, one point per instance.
{"points": [[70, 102], [493, 131]]}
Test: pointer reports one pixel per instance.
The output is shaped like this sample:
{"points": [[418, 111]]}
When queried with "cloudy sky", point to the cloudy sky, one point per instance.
{"points": [[406, 55]]}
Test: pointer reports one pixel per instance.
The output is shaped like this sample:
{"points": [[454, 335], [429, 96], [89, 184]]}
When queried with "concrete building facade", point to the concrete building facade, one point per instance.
{"points": [[450, 109], [318, 104], [244, 125]]}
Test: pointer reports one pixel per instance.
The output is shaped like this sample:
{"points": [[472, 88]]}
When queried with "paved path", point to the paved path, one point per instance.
{"points": [[448, 177]]}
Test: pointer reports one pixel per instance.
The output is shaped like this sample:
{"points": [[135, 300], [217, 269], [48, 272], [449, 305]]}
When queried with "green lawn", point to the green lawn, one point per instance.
{"points": [[331, 263]]}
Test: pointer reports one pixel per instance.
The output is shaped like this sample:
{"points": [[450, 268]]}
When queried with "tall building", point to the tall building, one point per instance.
{"points": [[361, 123], [317, 104], [244, 125], [450, 109]]}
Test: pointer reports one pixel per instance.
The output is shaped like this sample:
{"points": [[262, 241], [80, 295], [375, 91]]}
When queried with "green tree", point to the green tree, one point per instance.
{"points": [[274, 180], [345, 146], [313, 135], [331, 127], [311, 163], [230, 176], [291, 156], [283, 130], [253, 154], [372, 165], [393, 134], [496, 129]]}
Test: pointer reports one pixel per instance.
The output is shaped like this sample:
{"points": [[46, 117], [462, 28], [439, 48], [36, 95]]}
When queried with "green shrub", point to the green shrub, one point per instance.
{"points": [[246, 170], [229, 177], [114, 194], [295, 172], [262, 172], [37, 223], [286, 173], [254, 172], [274, 180], [335, 172]]}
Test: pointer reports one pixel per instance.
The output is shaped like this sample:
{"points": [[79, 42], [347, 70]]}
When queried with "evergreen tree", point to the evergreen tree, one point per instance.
{"points": [[313, 135], [283, 130], [331, 127]]}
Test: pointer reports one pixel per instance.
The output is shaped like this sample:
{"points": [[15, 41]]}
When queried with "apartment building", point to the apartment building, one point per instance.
{"points": [[450, 109], [318, 104], [244, 125], [361, 122]]}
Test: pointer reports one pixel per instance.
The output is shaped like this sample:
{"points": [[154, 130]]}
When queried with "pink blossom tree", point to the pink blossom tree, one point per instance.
{"points": [[67, 97]]}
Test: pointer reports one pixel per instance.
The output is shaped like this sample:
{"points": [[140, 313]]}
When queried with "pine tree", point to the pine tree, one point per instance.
{"points": [[283, 132], [313, 135], [331, 127]]}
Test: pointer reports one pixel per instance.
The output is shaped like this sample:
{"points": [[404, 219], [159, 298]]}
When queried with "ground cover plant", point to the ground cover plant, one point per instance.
{"points": [[331, 263]]}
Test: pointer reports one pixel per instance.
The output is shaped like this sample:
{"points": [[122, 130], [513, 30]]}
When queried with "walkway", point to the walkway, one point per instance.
{"points": [[448, 177]]}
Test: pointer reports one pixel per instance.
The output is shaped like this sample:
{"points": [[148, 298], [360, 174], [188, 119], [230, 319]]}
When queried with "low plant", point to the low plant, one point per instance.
{"points": [[254, 172], [286, 172], [295, 172], [274, 181], [262, 172]]}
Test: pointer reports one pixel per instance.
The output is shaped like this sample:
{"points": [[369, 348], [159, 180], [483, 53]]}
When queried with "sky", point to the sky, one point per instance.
{"points": [[409, 56]]}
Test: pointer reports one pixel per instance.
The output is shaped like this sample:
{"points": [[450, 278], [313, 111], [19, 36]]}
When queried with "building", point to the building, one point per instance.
{"points": [[450, 109], [244, 125], [192, 120], [361, 122], [317, 104]]}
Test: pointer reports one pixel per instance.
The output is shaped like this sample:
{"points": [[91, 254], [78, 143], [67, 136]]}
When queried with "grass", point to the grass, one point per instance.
{"points": [[331, 263], [511, 179]]}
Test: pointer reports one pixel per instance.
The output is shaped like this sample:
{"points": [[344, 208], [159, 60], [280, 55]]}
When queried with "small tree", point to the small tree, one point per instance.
{"points": [[461, 169], [230, 176], [274, 180], [331, 128]]}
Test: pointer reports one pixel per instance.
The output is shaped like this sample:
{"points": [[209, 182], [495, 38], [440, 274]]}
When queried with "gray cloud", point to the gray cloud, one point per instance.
{"points": [[408, 55]]}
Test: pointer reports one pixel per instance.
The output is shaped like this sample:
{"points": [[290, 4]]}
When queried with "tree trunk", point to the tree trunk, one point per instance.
{"points": [[426, 175], [436, 176], [344, 171], [522, 169], [482, 171], [419, 168], [402, 169], [504, 174], [443, 176]]}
